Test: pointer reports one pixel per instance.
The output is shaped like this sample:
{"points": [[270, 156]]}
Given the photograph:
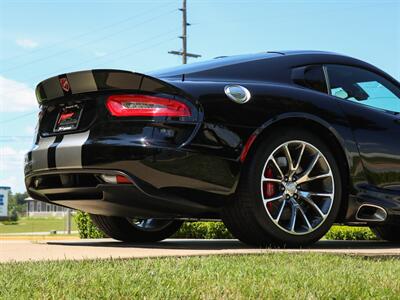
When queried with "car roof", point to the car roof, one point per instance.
{"points": [[273, 59], [223, 61]]}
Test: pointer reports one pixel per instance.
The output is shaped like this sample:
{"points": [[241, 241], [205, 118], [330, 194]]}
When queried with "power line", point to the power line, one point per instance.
{"points": [[28, 114], [184, 52], [20, 139], [129, 54], [116, 51], [18, 117], [93, 59], [87, 43], [144, 49], [98, 29], [117, 58], [16, 136]]}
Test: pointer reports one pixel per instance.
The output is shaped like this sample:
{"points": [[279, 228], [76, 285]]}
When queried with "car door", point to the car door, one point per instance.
{"points": [[372, 105]]}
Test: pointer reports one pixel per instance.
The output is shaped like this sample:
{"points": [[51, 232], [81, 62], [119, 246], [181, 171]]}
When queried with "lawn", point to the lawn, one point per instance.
{"points": [[276, 276], [36, 225]]}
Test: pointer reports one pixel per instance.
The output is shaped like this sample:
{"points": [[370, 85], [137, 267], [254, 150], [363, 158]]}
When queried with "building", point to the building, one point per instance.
{"points": [[4, 190], [36, 208]]}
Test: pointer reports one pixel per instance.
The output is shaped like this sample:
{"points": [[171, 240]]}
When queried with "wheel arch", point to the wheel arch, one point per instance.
{"points": [[316, 125]]}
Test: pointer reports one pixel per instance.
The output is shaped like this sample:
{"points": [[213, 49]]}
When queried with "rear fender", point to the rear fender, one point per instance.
{"points": [[339, 140]]}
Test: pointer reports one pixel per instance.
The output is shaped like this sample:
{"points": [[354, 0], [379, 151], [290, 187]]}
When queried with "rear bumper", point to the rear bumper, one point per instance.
{"points": [[161, 155], [168, 181], [97, 197]]}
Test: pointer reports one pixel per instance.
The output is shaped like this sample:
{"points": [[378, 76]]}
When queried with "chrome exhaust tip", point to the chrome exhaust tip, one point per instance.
{"points": [[371, 213]]}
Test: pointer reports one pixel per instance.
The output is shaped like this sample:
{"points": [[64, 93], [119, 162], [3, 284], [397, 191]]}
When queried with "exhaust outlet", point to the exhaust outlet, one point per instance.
{"points": [[371, 213]]}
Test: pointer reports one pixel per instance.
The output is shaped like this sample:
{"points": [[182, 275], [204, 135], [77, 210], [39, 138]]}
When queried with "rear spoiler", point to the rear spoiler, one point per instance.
{"points": [[98, 80]]}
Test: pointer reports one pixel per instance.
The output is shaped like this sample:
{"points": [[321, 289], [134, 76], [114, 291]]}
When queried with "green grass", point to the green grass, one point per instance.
{"points": [[276, 276], [36, 225]]}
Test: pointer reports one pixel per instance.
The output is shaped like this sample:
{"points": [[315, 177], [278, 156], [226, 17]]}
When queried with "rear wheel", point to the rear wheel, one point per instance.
{"points": [[389, 233], [289, 193], [136, 230]]}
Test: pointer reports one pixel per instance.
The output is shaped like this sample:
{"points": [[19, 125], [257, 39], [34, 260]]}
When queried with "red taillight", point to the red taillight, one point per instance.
{"points": [[113, 179], [146, 106], [122, 179]]}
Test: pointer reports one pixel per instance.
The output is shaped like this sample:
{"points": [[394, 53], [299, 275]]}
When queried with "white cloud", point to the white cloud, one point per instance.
{"points": [[15, 182], [11, 158], [16, 96], [27, 43], [12, 168]]}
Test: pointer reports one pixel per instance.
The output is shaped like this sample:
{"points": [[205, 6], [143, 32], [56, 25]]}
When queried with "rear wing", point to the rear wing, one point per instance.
{"points": [[98, 80]]}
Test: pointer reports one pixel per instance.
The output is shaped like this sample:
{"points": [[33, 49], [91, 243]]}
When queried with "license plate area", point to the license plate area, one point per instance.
{"points": [[68, 118]]}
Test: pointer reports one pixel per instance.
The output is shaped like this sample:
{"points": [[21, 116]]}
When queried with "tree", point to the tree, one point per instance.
{"points": [[16, 203]]}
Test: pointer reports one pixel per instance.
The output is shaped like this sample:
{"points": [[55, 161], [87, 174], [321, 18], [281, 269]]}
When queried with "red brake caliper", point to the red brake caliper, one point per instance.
{"points": [[269, 187]]}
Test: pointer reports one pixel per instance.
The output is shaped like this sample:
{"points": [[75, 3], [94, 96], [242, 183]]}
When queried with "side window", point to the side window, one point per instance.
{"points": [[364, 87], [310, 77]]}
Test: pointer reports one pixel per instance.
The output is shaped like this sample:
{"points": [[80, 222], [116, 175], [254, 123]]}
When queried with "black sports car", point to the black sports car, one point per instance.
{"points": [[279, 145]]}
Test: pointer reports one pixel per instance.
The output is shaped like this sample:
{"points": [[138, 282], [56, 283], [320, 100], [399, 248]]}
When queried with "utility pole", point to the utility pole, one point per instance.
{"points": [[184, 32], [184, 52]]}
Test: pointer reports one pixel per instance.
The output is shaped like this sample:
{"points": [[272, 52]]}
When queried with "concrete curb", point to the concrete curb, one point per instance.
{"points": [[22, 250]]}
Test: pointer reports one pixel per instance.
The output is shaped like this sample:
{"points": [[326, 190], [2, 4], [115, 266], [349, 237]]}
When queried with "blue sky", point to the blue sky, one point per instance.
{"points": [[39, 39]]}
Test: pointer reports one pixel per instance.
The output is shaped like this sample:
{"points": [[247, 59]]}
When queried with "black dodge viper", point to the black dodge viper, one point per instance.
{"points": [[277, 145]]}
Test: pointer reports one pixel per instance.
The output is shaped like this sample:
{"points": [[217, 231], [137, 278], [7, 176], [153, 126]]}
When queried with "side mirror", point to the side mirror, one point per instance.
{"points": [[353, 91], [359, 94]]}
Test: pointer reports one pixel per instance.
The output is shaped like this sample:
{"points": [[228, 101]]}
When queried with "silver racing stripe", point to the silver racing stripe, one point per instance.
{"points": [[69, 150], [39, 153]]}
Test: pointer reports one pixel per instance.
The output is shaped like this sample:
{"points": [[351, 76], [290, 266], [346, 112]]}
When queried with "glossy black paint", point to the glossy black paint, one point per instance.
{"points": [[197, 159]]}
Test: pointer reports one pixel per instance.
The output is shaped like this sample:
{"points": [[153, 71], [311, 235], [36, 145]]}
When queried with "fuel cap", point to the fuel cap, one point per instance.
{"points": [[237, 93]]}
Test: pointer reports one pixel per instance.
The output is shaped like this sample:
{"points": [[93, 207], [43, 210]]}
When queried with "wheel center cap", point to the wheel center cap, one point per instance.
{"points": [[290, 188]]}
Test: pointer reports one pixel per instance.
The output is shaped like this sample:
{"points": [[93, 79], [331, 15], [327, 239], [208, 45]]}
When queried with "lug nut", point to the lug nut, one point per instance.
{"points": [[286, 179], [282, 188], [295, 196], [287, 197]]}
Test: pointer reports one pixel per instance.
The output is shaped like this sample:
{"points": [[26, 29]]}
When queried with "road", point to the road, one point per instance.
{"points": [[24, 250], [42, 233]]}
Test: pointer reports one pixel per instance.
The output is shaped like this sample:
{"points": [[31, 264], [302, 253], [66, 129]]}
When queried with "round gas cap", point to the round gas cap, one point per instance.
{"points": [[237, 93]]}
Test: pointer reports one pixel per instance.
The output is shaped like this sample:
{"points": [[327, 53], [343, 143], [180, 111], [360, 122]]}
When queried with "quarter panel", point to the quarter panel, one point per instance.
{"points": [[270, 104], [375, 132]]}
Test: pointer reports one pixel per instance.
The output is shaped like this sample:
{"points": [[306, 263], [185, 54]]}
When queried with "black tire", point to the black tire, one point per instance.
{"points": [[389, 233], [246, 215], [124, 230]]}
